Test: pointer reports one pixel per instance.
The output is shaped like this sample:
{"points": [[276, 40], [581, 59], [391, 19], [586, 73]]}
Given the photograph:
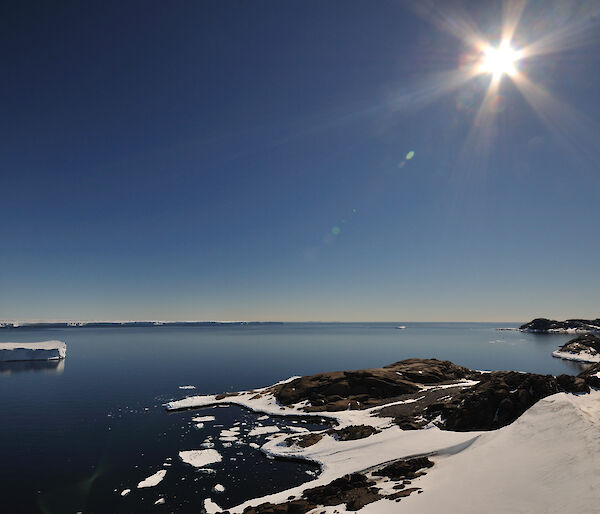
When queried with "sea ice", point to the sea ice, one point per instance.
{"points": [[263, 430], [200, 458], [153, 480]]}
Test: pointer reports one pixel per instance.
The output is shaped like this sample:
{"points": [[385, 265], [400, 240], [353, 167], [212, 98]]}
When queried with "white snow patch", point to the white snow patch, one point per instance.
{"points": [[153, 480], [200, 458], [460, 383], [211, 507], [579, 356], [187, 387]]}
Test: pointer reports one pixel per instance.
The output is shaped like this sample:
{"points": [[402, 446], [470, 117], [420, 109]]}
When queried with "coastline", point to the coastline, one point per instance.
{"points": [[453, 453]]}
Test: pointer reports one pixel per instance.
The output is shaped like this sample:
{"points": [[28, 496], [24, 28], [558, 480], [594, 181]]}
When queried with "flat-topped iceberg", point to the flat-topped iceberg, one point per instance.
{"points": [[45, 350]]}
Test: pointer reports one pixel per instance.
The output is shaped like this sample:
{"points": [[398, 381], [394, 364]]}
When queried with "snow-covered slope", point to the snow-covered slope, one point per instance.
{"points": [[46, 350], [548, 461]]}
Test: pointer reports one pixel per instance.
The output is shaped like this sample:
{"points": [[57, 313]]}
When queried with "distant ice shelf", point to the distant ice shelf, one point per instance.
{"points": [[45, 350]]}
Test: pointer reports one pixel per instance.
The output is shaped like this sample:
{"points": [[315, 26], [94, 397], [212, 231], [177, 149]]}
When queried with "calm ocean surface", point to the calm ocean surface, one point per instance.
{"points": [[74, 435]]}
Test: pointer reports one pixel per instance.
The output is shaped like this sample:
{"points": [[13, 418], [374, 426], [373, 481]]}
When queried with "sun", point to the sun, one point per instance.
{"points": [[499, 60]]}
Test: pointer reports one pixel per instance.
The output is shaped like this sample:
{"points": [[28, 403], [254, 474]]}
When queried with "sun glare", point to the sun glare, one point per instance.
{"points": [[500, 60]]}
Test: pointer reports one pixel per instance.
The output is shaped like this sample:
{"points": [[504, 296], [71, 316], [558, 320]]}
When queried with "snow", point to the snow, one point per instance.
{"points": [[200, 458], [211, 507], [45, 350], [548, 461], [219, 488], [125, 492], [187, 387], [160, 501], [579, 356], [153, 480]]}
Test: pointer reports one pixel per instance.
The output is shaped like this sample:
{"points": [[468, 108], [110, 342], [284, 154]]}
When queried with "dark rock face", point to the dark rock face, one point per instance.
{"points": [[404, 469], [355, 491], [543, 325], [361, 389], [350, 433], [586, 343], [499, 399], [591, 375], [353, 432]]}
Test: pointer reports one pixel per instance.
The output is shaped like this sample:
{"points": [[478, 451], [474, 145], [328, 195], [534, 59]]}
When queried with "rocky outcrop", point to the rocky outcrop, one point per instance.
{"points": [[592, 376], [499, 399], [361, 389], [584, 348], [349, 433], [353, 491], [544, 325], [428, 391]]}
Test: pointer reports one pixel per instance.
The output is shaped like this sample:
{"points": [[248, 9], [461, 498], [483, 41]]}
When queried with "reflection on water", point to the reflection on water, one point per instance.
{"points": [[47, 366]]}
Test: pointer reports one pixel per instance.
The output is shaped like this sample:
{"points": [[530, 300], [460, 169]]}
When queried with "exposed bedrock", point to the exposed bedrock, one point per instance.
{"points": [[549, 325], [354, 491], [499, 399], [592, 375], [425, 392], [365, 388], [584, 347]]}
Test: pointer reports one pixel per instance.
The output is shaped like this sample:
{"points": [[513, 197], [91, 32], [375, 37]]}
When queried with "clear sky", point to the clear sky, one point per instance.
{"points": [[298, 160]]}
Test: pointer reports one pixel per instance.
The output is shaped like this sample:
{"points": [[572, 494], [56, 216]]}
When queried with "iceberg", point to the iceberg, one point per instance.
{"points": [[45, 350]]}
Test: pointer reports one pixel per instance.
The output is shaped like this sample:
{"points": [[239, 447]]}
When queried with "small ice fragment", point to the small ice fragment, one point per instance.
{"points": [[153, 480], [263, 430], [160, 501], [218, 488], [201, 419], [187, 387], [125, 492]]}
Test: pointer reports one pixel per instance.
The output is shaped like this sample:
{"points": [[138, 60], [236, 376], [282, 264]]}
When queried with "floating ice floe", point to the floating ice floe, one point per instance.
{"points": [[153, 480], [45, 350], [187, 387], [125, 492], [200, 458], [263, 430]]}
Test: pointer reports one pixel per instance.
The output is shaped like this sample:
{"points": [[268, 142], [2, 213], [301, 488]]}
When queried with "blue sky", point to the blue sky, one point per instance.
{"points": [[248, 160]]}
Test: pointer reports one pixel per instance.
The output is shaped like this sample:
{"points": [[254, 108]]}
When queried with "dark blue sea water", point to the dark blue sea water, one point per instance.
{"points": [[74, 435]]}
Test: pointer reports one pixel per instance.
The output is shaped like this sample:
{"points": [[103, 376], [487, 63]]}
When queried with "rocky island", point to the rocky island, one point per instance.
{"points": [[584, 348], [429, 436], [545, 326]]}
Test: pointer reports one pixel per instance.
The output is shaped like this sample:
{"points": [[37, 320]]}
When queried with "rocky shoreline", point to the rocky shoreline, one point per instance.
{"points": [[373, 408], [584, 348]]}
